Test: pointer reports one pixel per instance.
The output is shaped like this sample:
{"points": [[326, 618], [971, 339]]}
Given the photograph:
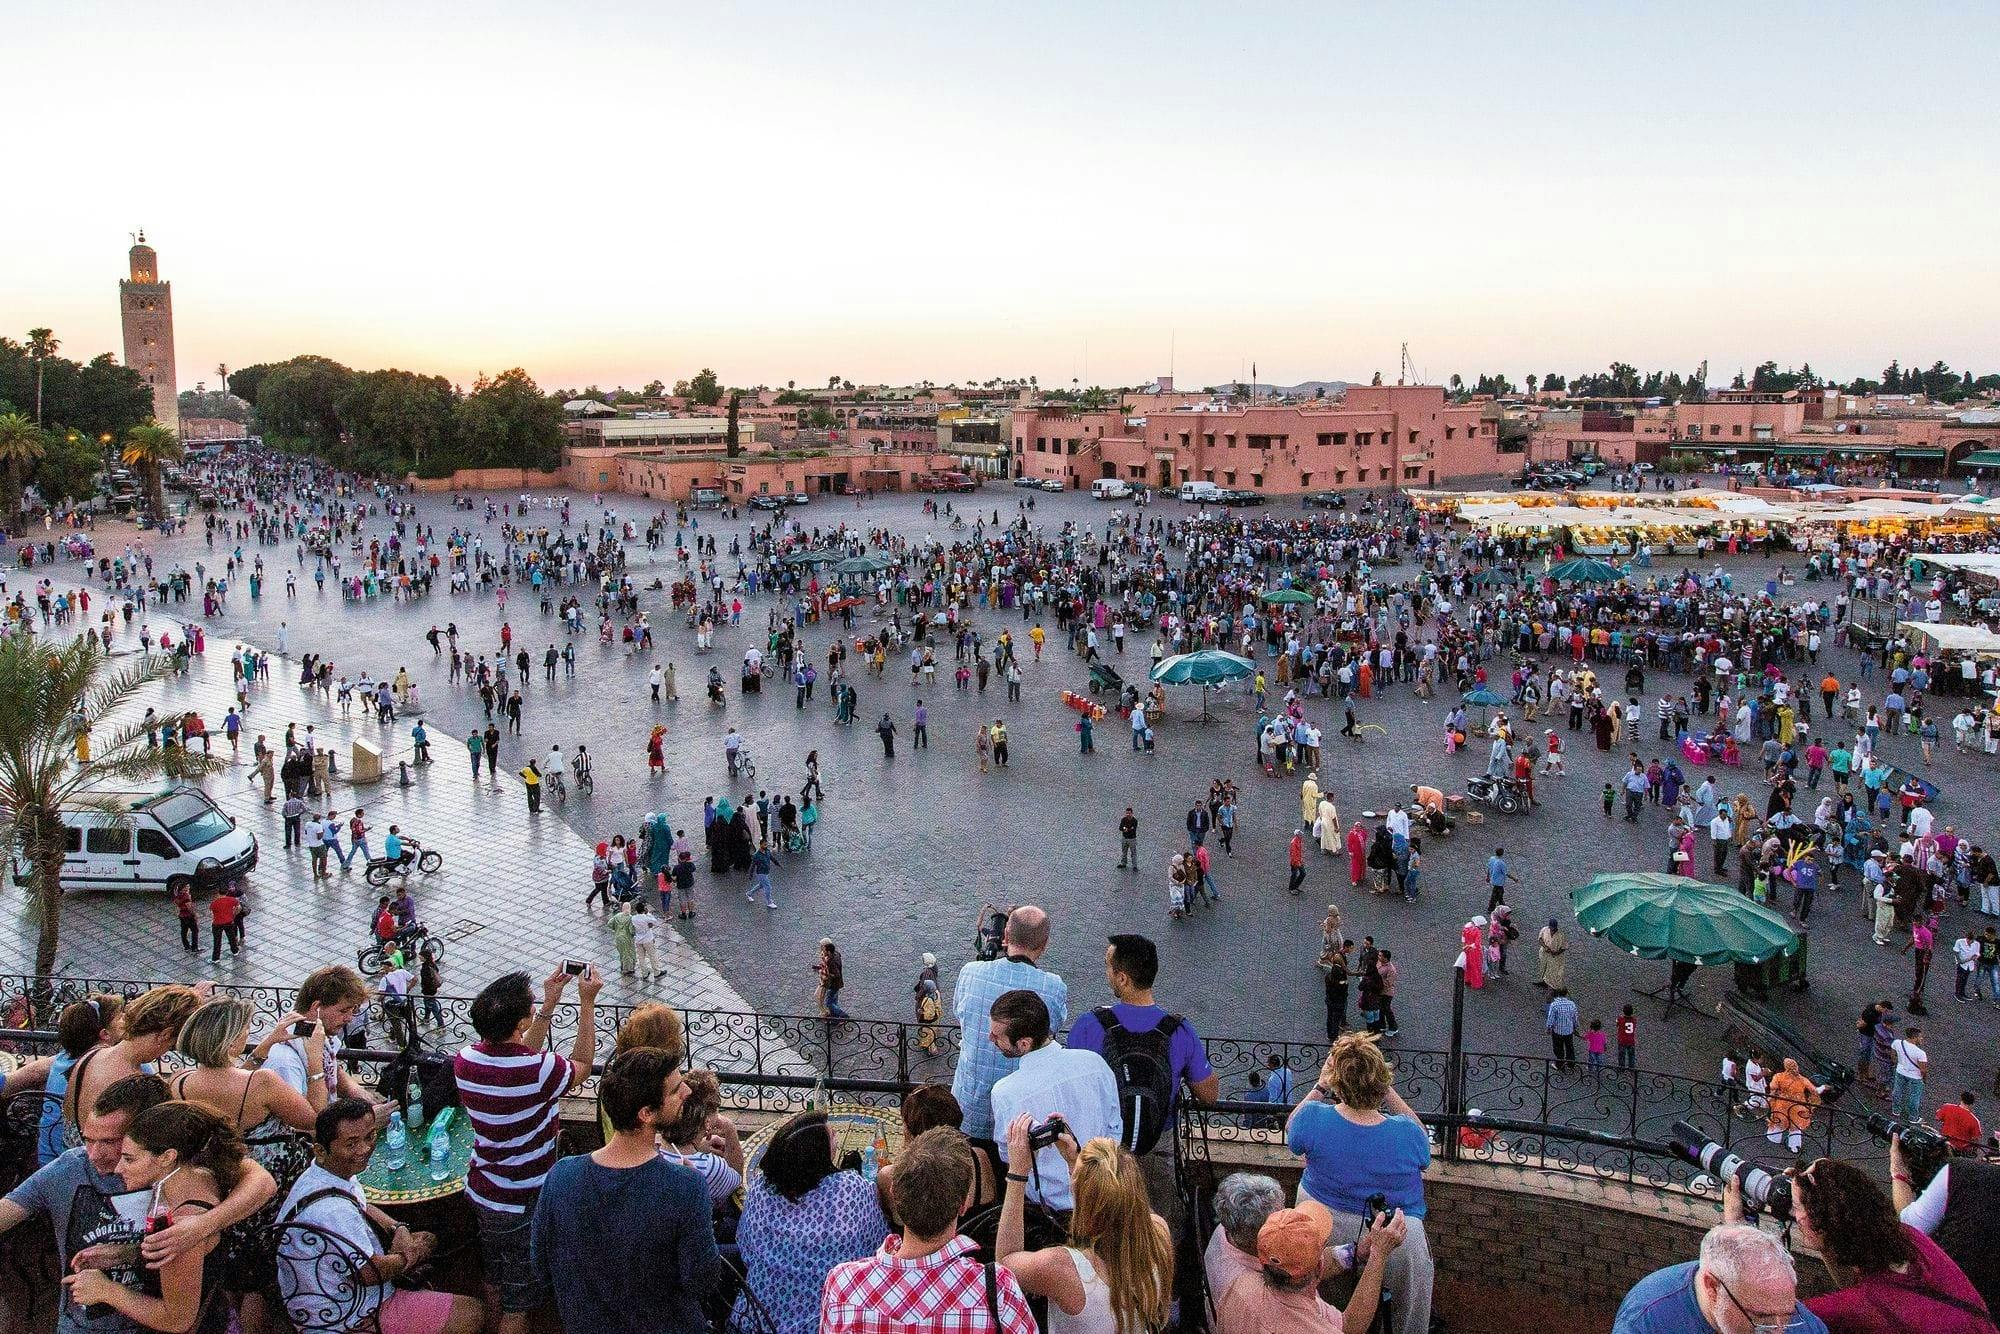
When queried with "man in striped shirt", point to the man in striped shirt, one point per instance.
{"points": [[510, 1089]]}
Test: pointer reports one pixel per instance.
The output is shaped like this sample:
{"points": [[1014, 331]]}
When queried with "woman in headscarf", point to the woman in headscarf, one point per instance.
{"points": [[1357, 855], [1472, 956], [1554, 958]]}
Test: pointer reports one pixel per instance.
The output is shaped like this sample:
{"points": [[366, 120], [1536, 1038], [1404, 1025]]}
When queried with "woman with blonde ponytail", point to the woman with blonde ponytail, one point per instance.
{"points": [[1117, 1274]]}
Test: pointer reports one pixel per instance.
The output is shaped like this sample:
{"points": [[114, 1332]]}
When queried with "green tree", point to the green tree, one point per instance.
{"points": [[21, 447], [298, 405], [48, 695], [69, 466], [507, 421], [705, 389], [398, 422], [244, 380], [149, 448], [42, 344]]}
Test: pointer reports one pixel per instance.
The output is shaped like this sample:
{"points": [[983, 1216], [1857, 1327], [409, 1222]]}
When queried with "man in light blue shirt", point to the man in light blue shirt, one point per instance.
{"points": [[980, 983], [1049, 1080], [1562, 1026]]}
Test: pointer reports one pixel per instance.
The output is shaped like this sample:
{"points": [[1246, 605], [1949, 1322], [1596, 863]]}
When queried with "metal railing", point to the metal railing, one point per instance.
{"points": [[1533, 1112]]}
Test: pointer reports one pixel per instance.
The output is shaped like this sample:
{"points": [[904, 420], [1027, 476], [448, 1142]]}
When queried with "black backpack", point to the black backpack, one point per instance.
{"points": [[1142, 1063]]}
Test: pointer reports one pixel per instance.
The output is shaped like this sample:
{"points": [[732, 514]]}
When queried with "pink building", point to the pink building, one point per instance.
{"points": [[1381, 435]]}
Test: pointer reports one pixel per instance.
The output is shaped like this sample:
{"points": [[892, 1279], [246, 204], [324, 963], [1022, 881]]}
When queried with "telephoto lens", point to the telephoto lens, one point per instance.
{"points": [[1764, 1191]]}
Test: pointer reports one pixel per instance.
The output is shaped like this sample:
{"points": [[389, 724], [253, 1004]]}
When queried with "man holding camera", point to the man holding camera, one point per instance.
{"points": [[1743, 1282], [1953, 1200], [1062, 1088]]}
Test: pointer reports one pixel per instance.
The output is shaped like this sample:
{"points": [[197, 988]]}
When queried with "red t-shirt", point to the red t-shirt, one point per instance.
{"points": [[1628, 1031], [222, 909], [1959, 1125], [385, 925]]}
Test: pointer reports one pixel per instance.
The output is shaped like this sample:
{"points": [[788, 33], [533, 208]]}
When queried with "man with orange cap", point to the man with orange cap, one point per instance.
{"points": [[1285, 1297]]}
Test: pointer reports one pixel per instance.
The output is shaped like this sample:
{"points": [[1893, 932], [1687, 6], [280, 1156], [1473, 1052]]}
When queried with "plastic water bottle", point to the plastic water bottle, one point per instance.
{"points": [[870, 1164], [398, 1141], [416, 1116], [440, 1150]]}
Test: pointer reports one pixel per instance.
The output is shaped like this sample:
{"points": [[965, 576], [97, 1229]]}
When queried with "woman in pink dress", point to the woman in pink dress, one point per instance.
{"points": [[1473, 957], [1357, 855]]}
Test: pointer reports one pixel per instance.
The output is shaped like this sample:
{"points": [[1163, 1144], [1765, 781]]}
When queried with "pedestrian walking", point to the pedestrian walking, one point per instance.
{"points": [[645, 941], [1561, 1024], [886, 729], [1296, 854], [1128, 841], [832, 977]]}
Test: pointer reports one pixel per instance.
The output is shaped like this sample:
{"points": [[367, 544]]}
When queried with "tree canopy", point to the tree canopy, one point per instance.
{"points": [[396, 421]]}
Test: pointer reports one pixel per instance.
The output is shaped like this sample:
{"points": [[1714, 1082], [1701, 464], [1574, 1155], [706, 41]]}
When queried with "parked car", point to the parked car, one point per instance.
{"points": [[1053, 484], [1028, 481], [767, 502], [1327, 500], [1239, 496], [797, 498]]}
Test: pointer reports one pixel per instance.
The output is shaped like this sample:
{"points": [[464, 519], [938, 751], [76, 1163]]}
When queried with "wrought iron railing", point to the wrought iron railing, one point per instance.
{"points": [[1533, 1112]]}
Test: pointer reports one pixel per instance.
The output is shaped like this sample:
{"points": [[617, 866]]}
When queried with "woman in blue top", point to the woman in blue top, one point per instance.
{"points": [[1359, 1138]]}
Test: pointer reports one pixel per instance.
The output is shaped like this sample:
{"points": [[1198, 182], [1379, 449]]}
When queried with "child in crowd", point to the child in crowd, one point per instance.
{"points": [[1593, 1043]]}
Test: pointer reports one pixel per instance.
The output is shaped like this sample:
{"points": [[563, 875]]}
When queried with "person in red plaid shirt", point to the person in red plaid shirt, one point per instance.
{"points": [[926, 1281]]}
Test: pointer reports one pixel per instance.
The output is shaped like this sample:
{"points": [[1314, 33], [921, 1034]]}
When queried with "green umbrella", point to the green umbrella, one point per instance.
{"points": [[1287, 595], [1652, 915], [861, 565], [1586, 571], [1204, 668], [807, 558]]}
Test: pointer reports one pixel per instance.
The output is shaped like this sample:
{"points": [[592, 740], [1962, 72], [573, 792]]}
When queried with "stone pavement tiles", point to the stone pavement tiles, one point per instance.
{"points": [[510, 894]]}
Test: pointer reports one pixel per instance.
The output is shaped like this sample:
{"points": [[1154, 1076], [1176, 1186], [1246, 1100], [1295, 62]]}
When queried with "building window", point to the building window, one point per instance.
{"points": [[1736, 429], [1413, 437], [1229, 477], [1411, 474], [1208, 440], [1715, 430], [1450, 431], [1339, 476], [1363, 439]]}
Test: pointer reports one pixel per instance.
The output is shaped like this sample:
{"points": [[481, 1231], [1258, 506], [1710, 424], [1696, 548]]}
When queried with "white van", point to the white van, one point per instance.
{"points": [[1200, 491], [1110, 488], [157, 841]]}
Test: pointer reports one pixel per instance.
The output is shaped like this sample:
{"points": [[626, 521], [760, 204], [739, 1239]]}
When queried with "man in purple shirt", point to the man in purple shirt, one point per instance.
{"points": [[1129, 1036]]}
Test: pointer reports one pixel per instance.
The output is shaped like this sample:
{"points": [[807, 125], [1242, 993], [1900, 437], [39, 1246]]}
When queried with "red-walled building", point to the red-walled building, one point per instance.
{"points": [[1381, 435]]}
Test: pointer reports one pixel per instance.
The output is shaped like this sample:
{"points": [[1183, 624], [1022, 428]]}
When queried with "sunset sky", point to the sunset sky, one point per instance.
{"points": [[612, 193]]}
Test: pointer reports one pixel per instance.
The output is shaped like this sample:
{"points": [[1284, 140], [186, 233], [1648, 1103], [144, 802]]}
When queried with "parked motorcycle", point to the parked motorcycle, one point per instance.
{"points": [[1506, 795]]}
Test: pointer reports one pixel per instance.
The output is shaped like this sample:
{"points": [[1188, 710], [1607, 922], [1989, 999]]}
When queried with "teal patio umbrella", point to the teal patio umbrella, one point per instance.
{"points": [[1585, 571], [1653, 915], [1482, 697], [1205, 668], [862, 565], [1288, 596]]}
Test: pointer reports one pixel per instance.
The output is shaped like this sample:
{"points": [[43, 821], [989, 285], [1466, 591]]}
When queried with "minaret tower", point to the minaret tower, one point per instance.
{"points": [[146, 309]]}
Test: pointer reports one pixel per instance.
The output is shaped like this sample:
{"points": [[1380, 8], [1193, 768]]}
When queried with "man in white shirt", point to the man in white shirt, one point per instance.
{"points": [[393, 987], [327, 1200], [1906, 1096], [1398, 821], [1073, 1083]]}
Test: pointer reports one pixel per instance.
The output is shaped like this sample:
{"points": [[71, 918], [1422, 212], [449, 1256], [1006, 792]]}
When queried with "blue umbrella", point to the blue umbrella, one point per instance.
{"points": [[1206, 667], [1587, 571], [1481, 696]]}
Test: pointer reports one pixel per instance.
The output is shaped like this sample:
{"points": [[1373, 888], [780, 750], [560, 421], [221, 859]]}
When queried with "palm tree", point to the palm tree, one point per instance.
{"points": [[48, 694], [147, 447], [20, 448], [42, 344]]}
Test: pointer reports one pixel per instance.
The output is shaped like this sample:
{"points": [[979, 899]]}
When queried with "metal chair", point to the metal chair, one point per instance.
{"points": [[321, 1282]]}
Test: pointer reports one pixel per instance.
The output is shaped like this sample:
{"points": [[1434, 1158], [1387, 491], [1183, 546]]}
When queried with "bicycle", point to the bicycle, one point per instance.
{"points": [[740, 765], [558, 790], [586, 782]]}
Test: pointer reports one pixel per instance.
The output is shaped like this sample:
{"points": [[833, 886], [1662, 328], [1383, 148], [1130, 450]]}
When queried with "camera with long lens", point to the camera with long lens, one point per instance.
{"points": [[1919, 1140], [1764, 1191]]}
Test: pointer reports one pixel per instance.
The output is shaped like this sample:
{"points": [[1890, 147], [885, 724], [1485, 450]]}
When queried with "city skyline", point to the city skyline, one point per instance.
{"points": [[1104, 194]]}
